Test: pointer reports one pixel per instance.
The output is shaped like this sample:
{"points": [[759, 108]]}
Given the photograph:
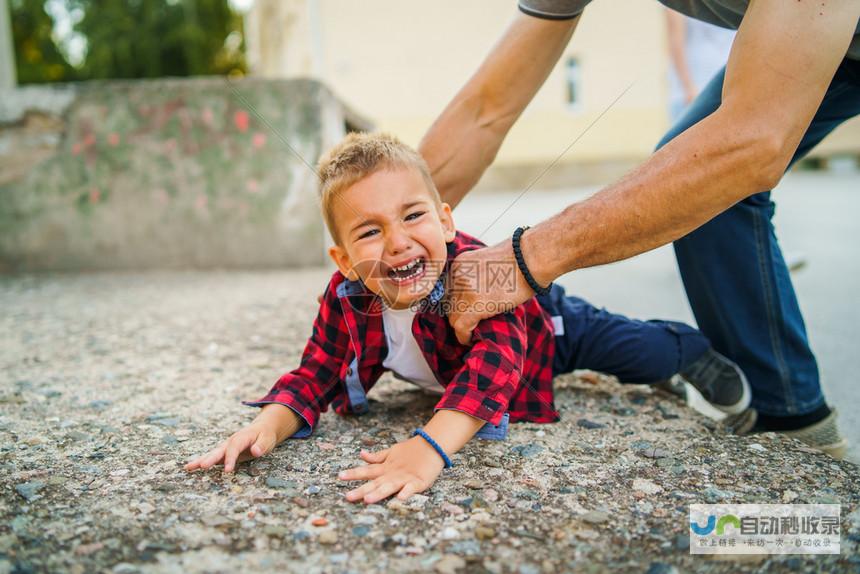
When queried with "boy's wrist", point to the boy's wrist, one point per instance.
{"points": [[428, 454], [281, 419]]}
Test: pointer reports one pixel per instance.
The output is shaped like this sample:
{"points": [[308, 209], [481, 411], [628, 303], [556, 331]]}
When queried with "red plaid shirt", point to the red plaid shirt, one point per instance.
{"points": [[506, 369]]}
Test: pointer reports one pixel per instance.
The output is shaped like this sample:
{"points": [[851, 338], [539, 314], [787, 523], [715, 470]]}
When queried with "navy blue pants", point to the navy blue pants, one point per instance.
{"points": [[737, 281], [634, 351]]}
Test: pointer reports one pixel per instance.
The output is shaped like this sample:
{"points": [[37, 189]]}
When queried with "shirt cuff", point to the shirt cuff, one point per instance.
{"points": [[480, 407], [303, 432], [538, 12]]}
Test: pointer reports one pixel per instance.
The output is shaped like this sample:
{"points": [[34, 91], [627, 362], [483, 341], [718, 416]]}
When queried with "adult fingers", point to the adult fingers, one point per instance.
{"points": [[374, 457], [463, 325]]}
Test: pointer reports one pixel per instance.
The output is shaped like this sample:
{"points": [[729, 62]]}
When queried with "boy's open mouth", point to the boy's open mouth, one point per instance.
{"points": [[404, 273]]}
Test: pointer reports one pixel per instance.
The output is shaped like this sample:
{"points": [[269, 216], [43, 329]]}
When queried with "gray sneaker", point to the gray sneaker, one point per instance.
{"points": [[720, 382], [823, 435]]}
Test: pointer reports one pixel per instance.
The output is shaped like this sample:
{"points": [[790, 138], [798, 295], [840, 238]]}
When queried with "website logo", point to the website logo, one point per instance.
{"points": [[764, 528]]}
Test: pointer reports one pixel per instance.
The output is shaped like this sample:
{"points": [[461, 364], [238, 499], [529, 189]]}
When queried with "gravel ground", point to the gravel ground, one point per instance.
{"points": [[111, 381]]}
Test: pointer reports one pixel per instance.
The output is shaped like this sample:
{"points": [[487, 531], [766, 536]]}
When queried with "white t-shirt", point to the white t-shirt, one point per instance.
{"points": [[404, 356], [706, 48]]}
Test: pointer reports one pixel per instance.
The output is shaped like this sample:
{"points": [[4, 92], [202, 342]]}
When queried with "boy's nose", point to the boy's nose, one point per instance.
{"points": [[398, 241]]}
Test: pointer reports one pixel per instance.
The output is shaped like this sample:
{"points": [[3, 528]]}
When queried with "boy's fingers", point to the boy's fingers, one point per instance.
{"points": [[263, 445], [212, 457], [368, 472], [408, 490], [359, 493], [235, 446], [194, 463], [374, 457], [382, 491]]}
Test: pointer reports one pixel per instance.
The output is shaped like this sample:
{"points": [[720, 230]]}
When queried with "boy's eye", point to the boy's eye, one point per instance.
{"points": [[369, 233], [414, 215]]}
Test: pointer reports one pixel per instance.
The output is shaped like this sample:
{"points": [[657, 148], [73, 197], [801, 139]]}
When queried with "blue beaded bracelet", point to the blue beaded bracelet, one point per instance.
{"points": [[420, 432]]}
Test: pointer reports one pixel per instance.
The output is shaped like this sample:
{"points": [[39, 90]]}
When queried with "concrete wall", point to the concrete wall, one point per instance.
{"points": [[166, 173]]}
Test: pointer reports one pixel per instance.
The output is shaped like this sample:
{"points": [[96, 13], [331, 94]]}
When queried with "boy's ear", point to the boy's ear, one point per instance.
{"points": [[340, 257], [447, 219]]}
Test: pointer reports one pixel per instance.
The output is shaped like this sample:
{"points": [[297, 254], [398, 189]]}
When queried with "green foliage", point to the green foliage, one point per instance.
{"points": [[155, 38], [37, 57], [131, 39]]}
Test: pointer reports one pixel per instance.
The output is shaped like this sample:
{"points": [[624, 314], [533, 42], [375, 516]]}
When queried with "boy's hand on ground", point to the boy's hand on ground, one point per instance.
{"points": [[405, 469], [253, 441]]}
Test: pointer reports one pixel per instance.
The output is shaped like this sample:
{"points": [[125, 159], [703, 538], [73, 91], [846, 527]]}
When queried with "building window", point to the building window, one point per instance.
{"points": [[573, 82]]}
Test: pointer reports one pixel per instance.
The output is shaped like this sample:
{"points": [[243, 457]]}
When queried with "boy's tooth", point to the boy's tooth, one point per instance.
{"points": [[408, 266]]}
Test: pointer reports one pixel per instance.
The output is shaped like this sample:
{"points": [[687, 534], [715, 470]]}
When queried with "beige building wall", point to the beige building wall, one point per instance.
{"points": [[399, 62]]}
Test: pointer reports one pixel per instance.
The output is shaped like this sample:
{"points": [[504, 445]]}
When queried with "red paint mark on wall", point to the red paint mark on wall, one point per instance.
{"points": [[240, 118], [252, 186], [169, 145], [206, 116], [95, 195], [161, 197], [259, 140], [201, 202], [76, 149], [113, 139]]}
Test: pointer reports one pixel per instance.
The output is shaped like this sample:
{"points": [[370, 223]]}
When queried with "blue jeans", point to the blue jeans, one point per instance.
{"points": [[634, 351], [737, 281]]}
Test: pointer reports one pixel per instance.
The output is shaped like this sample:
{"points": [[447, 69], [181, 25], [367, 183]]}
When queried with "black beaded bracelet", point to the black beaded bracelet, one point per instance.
{"points": [[521, 263]]}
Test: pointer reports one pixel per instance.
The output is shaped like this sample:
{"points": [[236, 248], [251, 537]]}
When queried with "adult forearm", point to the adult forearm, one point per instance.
{"points": [[460, 146], [464, 140], [699, 174]]}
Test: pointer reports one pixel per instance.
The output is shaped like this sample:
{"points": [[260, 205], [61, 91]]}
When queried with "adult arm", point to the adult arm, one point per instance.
{"points": [[464, 140], [676, 32], [783, 58]]}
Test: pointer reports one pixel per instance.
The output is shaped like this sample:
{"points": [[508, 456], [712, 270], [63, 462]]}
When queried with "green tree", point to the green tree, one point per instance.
{"points": [[37, 57], [154, 38]]}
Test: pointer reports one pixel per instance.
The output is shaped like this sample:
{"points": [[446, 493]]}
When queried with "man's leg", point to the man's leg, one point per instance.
{"points": [[737, 281]]}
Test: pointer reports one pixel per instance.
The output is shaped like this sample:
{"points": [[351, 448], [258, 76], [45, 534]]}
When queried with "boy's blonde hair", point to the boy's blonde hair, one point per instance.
{"points": [[358, 156]]}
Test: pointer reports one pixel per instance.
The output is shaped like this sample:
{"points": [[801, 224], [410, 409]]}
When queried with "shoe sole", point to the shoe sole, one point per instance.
{"points": [[836, 450], [740, 424]]}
